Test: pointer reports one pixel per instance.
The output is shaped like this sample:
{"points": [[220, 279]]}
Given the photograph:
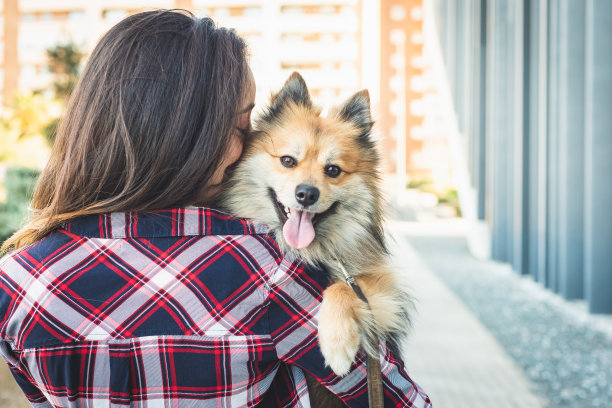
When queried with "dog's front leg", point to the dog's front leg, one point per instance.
{"points": [[389, 302], [340, 318], [346, 322]]}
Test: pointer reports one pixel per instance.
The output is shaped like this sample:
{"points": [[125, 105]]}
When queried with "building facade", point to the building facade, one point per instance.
{"points": [[531, 82], [321, 39], [339, 46]]}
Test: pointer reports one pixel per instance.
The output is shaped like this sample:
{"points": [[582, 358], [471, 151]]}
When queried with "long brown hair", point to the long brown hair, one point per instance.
{"points": [[147, 124]]}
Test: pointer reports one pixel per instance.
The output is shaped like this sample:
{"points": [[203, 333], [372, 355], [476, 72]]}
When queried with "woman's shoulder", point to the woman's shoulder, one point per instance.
{"points": [[118, 260], [143, 232], [171, 222]]}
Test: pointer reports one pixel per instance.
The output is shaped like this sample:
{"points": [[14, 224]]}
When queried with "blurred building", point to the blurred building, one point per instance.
{"points": [[322, 39], [531, 84], [339, 46]]}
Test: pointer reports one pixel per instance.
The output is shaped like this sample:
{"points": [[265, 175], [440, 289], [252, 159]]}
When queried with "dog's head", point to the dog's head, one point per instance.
{"points": [[312, 179]]}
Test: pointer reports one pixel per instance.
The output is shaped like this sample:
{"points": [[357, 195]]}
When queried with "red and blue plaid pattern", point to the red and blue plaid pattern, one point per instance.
{"points": [[178, 308]]}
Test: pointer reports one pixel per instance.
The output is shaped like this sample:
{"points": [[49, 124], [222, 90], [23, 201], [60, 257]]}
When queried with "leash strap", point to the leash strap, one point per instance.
{"points": [[351, 282], [375, 390], [374, 371]]}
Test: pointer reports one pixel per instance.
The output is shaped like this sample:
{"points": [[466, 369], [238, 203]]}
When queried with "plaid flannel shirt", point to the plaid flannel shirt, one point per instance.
{"points": [[178, 308]]}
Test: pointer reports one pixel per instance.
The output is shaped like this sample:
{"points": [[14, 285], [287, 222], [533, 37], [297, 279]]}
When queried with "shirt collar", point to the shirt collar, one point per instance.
{"points": [[176, 222]]}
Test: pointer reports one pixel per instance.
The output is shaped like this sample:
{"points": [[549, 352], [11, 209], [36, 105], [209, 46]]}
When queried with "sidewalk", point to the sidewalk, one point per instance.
{"points": [[451, 355]]}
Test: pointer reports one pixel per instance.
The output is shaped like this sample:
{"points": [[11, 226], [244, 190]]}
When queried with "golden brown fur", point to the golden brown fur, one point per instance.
{"points": [[350, 210]]}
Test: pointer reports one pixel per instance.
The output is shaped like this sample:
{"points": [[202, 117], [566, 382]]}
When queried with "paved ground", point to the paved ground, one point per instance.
{"points": [[10, 394], [565, 351], [451, 354]]}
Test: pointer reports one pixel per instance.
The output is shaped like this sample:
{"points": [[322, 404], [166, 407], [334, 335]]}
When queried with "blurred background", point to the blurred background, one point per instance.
{"points": [[338, 46], [495, 124]]}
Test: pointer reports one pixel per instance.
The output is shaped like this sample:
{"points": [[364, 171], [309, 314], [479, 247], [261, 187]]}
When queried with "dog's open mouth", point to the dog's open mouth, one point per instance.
{"points": [[298, 224]]}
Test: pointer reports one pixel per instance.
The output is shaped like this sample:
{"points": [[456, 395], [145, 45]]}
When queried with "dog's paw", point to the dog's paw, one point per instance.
{"points": [[339, 342], [339, 327]]}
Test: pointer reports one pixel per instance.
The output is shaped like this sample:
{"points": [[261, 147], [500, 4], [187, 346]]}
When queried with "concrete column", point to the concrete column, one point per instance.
{"points": [[489, 114], [598, 157], [530, 130], [535, 137], [571, 148], [499, 118], [476, 73], [467, 98], [552, 186], [491, 210], [518, 233], [541, 158], [481, 111]]}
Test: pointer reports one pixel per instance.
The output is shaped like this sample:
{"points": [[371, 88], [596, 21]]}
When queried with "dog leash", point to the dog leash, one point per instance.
{"points": [[374, 371]]}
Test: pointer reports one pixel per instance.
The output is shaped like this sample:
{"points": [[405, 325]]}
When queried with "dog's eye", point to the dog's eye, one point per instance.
{"points": [[288, 161], [333, 171]]}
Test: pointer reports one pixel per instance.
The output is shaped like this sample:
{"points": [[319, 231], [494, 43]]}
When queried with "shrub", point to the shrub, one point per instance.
{"points": [[19, 183]]}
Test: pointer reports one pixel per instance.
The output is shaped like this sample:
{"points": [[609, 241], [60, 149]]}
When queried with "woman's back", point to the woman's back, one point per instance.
{"points": [[187, 306]]}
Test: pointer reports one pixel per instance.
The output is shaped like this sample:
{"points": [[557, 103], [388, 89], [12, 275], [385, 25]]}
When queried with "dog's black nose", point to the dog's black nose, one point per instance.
{"points": [[306, 195]]}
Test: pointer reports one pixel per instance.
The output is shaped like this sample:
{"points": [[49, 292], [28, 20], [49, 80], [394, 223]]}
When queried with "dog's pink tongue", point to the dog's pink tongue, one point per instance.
{"points": [[298, 230]]}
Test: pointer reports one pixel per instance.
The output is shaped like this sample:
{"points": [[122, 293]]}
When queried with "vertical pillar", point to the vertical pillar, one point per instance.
{"points": [[571, 147], [397, 35], [530, 128], [481, 111], [472, 100], [459, 46], [598, 154], [467, 98], [552, 186], [528, 41], [475, 100], [518, 232], [499, 123], [542, 144], [489, 113], [11, 56]]}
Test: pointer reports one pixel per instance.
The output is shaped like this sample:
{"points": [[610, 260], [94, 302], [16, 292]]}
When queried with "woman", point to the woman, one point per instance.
{"points": [[117, 292]]}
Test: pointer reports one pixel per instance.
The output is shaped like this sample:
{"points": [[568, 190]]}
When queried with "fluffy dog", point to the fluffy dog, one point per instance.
{"points": [[315, 182]]}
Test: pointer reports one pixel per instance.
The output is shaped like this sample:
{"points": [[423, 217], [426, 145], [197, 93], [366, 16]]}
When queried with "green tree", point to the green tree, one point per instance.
{"points": [[19, 184], [65, 64]]}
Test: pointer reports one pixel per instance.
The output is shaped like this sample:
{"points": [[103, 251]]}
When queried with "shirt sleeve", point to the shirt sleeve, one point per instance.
{"points": [[32, 393], [295, 297]]}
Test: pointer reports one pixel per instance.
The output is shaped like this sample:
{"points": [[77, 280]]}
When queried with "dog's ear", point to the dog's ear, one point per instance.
{"points": [[294, 90], [357, 111]]}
